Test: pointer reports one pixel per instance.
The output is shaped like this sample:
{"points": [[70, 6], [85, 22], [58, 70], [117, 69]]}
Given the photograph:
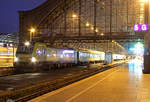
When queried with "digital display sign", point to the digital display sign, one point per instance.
{"points": [[141, 27]]}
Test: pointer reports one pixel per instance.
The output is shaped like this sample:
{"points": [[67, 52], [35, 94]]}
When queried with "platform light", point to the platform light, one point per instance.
{"points": [[32, 30], [98, 0], [144, 0], [102, 34], [27, 43], [74, 16], [139, 45], [92, 28], [54, 55], [33, 59], [103, 3], [16, 59], [87, 24], [96, 30], [138, 48]]}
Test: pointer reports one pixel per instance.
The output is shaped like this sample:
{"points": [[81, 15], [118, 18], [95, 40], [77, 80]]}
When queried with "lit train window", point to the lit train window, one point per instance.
{"points": [[41, 51], [24, 49]]}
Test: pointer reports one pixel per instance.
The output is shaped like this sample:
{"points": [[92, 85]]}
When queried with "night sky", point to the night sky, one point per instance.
{"points": [[9, 20]]}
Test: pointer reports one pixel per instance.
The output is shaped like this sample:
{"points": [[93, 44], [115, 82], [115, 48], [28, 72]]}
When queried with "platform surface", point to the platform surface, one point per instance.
{"points": [[126, 83]]}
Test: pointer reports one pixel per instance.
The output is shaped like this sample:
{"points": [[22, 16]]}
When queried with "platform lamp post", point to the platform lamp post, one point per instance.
{"points": [[13, 51], [32, 31], [14, 55]]}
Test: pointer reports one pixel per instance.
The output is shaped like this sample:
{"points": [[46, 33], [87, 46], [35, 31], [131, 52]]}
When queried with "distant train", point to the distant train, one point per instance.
{"points": [[39, 56]]}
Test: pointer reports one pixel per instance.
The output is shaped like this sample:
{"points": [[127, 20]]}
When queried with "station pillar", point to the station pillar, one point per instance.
{"points": [[78, 58], [147, 53], [146, 69]]}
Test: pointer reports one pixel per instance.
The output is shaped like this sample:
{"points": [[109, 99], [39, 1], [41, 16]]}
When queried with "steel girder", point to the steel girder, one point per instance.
{"points": [[89, 21]]}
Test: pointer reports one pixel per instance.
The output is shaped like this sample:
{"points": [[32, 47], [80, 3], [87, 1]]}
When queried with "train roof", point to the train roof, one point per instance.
{"points": [[91, 51]]}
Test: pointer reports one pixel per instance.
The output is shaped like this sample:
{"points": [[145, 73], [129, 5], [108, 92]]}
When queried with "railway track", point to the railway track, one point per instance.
{"points": [[4, 71], [34, 91], [64, 83]]}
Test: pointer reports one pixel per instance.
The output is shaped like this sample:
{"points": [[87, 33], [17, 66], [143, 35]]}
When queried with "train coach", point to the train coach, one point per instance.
{"points": [[39, 56]]}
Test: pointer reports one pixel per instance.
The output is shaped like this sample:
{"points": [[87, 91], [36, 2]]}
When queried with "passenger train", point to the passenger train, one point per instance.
{"points": [[39, 56]]}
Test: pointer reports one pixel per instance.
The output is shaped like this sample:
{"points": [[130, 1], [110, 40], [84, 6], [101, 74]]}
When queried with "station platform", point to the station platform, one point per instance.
{"points": [[125, 83]]}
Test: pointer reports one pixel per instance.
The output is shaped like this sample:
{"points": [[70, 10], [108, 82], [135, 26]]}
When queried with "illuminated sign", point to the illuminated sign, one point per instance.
{"points": [[141, 27], [137, 27]]}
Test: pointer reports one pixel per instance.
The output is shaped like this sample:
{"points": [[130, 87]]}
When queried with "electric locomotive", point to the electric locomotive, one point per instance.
{"points": [[38, 56]]}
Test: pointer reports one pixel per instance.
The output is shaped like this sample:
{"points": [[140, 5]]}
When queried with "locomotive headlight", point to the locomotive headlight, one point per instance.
{"points": [[33, 59], [27, 43], [16, 59]]}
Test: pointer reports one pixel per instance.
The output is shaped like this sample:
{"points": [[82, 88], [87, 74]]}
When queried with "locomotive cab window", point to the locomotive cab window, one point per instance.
{"points": [[41, 51], [25, 49]]}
